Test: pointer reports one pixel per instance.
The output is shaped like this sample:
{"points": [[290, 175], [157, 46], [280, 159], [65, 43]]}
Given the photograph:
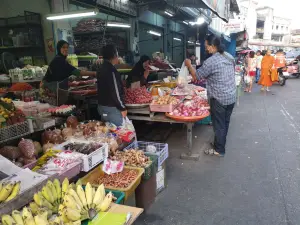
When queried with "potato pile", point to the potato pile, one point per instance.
{"points": [[166, 99]]}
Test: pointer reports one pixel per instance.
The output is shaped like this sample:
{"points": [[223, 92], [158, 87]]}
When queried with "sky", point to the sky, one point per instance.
{"points": [[284, 8]]}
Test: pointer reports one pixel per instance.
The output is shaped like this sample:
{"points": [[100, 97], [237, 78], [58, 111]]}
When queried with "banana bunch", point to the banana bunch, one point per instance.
{"points": [[26, 217], [9, 191], [49, 198], [82, 204]]}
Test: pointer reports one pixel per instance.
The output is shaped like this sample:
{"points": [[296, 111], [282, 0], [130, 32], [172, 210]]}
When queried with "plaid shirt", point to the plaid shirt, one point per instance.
{"points": [[220, 75]]}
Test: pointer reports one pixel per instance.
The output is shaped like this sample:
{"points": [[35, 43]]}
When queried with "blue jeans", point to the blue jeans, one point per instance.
{"points": [[220, 116], [257, 77], [110, 114]]}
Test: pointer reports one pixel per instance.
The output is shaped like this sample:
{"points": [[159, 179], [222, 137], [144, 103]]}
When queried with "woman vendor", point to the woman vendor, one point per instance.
{"points": [[58, 71], [140, 71], [110, 88]]}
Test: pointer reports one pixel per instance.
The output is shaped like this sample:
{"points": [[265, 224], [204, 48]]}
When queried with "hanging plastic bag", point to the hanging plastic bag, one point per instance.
{"points": [[126, 131], [182, 79]]}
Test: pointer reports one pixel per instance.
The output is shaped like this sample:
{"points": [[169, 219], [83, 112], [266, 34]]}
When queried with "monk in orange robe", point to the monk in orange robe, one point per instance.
{"points": [[278, 63], [266, 69]]}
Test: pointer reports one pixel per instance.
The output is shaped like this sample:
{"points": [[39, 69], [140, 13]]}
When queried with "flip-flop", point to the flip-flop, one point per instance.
{"points": [[213, 152]]}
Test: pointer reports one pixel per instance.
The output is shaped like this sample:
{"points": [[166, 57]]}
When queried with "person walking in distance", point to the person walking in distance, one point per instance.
{"points": [[266, 70], [251, 70], [259, 58], [219, 71]]}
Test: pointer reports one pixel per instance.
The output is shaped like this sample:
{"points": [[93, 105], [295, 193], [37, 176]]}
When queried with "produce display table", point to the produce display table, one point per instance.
{"points": [[144, 114], [135, 212]]}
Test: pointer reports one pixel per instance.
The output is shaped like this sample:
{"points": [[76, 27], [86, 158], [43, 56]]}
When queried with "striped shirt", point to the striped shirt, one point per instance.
{"points": [[220, 74]]}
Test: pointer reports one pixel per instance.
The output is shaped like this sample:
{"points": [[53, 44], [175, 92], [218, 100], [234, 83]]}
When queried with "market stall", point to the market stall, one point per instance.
{"points": [[105, 162]]}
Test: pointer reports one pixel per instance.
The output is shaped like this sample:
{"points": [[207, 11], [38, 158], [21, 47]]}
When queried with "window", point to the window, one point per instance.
{"points": [[272, 27], [276, 27], [287, 29], [281, 27]]}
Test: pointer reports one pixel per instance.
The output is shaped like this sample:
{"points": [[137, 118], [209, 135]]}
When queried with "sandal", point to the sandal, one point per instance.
{"points": [[213, 152]]}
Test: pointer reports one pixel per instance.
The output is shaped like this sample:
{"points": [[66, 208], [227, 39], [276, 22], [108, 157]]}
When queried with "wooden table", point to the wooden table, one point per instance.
{"points": [[135, 212], [144, 114]]}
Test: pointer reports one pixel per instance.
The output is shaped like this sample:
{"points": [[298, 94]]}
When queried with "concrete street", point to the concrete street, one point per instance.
{"points": [[256, 183]]}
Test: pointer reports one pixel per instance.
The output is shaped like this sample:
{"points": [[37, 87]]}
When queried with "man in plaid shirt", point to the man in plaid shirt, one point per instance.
{"points": [[219, 70]]}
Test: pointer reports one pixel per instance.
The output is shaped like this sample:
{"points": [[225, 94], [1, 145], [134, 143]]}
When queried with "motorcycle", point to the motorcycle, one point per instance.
{"points": [[292, 70], [281, 77]]}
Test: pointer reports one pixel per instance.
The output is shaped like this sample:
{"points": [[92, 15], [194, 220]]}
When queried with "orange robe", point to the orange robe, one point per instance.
{"points": [[278, 63], [266, 66]]}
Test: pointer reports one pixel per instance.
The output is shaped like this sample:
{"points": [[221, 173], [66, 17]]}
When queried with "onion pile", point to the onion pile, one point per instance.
{"points": [[195, 107], [137, 96]]}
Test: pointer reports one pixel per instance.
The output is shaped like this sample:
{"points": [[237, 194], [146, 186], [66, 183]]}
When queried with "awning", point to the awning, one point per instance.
{"points": [[219, 7]]}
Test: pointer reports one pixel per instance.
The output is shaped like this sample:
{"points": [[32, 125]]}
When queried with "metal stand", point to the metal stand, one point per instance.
{"points": [[190, 155]]}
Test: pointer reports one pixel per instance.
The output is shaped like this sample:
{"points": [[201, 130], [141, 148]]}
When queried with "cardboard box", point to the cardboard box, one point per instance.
{"points": [[161, 180]]}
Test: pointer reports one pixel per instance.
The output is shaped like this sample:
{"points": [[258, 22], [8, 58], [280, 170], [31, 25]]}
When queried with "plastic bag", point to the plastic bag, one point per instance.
{"points": [[183, 76], [127, 124]]}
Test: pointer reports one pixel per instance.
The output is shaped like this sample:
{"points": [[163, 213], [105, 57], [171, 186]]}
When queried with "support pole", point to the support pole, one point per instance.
{"points": [[190, 155]]}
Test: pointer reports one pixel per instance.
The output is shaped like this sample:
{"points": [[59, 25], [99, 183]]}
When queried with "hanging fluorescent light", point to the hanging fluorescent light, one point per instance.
{"points": [[154, 33], [185, 22], [72, 14], [168, 13], [177, 39], [199, 21], [190, 42], [117, 24]]}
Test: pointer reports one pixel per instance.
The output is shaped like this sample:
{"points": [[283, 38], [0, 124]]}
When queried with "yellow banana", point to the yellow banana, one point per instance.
{"points": [[75, 196], [78, 222], [37, 199], [41, 219], [65, 187], [15, 191], [57, 186], [72, 214], [70, 202], [73, 186], [99, 195], [5, 191], [44, 201], [27, 217], [52, 190], [106, 203], [81, 195], [8, 220], [46, 211], [89, 194], [79, 182], [47, 194], [17, 217], [34, 207]]}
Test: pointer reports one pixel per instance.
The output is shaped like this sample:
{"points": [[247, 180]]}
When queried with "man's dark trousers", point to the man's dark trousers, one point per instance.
{"points": [[220, 116]]}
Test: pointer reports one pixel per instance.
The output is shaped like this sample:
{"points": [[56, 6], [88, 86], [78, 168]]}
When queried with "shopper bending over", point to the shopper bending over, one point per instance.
{"points": [[219, 70], [58, 72], [139, 72], [110, 88]]}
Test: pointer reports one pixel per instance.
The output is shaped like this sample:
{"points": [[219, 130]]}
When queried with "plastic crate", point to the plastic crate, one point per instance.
{"points": [[162, 149], [91, 160], [98, 172], [205, 121], [14, 131]]}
